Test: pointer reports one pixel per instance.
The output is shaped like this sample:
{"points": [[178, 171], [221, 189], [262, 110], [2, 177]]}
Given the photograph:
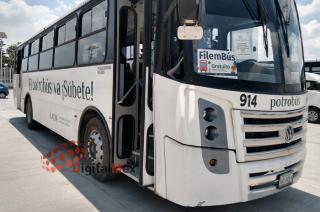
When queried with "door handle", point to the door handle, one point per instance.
{"points": [[129, 91]]}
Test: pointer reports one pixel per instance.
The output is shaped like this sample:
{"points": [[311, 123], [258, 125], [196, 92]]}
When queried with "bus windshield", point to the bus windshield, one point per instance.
{"points": [[252, 40]]}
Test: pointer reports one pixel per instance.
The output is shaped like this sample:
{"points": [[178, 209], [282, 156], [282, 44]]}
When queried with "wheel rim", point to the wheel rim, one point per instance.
{"points": [[2, 96], [313, 116], [95, 148]]}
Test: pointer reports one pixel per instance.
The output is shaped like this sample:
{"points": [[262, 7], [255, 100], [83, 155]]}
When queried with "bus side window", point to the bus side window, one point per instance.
{"points": [[24, 64], [311, 85], [34, 58], [92, 46], [46, 51], [86, 23], [18, 64], [65, 51], [26, 51]]}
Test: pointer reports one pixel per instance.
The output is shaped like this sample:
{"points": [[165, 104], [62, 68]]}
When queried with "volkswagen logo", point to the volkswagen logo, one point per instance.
{"points": [[288, 134]]}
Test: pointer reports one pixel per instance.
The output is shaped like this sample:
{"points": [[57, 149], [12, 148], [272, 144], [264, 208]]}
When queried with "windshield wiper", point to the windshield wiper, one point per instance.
{"points": [[262, 17], [284, 22]]}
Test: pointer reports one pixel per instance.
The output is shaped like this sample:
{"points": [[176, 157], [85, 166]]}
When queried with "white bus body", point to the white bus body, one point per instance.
{"points": [[151, 107]]}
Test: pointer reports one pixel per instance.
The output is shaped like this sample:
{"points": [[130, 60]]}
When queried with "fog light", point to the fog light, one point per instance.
{"points": [[211, 133], [213, 162], [209, 114]]}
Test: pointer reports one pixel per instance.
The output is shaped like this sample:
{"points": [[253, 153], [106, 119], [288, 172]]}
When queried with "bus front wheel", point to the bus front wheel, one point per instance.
{"points": [[97, 150], [32, 124]]}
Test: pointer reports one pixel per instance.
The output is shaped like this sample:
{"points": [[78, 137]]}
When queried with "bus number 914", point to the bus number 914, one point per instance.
{"points": [[248, 100]]}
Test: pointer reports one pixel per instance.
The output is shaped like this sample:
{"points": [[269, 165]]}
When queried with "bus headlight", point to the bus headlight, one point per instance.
{"points": [[211, 133], [212, 121], [209, 114]]}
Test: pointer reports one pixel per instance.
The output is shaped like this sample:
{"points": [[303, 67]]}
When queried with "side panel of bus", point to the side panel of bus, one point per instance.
{"points": [[59, 97]]}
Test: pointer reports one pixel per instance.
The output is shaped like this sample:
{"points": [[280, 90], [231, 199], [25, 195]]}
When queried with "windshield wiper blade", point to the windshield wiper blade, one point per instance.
{"points": [[284, 23], [263, 20], [262, 17]]}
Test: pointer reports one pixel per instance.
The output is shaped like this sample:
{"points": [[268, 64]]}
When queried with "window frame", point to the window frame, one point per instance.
{"points": [[48, 49], [312, 83], [25, 57], [30, 51], [29, 62], [27, 68], [57, 45], [28, 47], [106, 28], [32, 55]]}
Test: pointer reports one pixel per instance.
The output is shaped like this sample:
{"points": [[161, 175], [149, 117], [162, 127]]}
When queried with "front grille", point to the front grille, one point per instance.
{"points": [[264, 133], [272, 121], [270, 179], [272, 147]]}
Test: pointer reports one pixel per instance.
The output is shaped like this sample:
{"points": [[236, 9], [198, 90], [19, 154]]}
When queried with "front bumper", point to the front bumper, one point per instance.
{"points": [[190, 183], [261, 178]]}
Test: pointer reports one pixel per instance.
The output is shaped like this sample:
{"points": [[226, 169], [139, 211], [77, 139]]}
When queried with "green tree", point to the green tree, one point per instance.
{"points": [[11, 55]]}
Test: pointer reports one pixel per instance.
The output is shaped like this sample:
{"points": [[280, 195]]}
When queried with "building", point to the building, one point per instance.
{"points": [[312, 66]]}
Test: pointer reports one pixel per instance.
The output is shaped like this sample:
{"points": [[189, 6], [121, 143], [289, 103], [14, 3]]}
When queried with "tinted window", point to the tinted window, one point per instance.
{"points": [[50, 37], [99, 19], [64, 55], [26, 51], [312, 85], [92, 49], [35, 47], [24, 65], [46, 60], [47, 41], [71, 30], [44, 43], [86, 23], [61, 34], [33, 63]]}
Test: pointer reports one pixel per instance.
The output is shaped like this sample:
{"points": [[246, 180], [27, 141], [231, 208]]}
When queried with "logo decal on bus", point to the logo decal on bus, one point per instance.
{"points": [[65, 89], [283, 102]]}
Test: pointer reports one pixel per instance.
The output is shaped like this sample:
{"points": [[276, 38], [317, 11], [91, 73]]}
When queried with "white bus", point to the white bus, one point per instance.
{"points": [[202, 101]]}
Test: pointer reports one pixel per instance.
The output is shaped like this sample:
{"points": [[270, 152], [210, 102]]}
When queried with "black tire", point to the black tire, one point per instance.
{"points": [[97, 150], [3, 95], [32, 124], [314, 115]]}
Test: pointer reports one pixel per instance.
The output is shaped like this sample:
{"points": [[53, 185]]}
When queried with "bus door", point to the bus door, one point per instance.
{"points": [[129, 66], [17, 80]]}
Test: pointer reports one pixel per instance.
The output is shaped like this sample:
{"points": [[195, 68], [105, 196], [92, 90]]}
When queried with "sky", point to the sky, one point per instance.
{"points": [[21, 19]]}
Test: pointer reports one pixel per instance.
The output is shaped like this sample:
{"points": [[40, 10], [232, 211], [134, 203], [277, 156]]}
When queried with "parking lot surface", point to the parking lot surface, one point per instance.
{"points": [[26, 186]]}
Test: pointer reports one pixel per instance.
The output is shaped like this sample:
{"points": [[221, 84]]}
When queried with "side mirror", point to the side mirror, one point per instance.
{"points": [[188, 17]]}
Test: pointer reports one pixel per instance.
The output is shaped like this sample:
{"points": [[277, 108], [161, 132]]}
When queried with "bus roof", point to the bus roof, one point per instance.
{"points": [[55, 21]]}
